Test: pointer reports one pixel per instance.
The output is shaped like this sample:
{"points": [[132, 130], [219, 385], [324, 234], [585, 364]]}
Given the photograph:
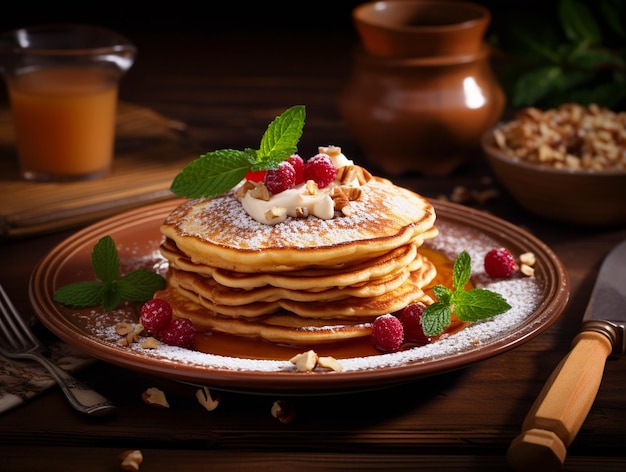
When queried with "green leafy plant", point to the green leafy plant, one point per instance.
{"points": [[468, 305], [109, 290], [570, 51], [217, 172]]}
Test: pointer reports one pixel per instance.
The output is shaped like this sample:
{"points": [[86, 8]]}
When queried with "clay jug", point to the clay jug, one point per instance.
{"points": [[422, 113]]}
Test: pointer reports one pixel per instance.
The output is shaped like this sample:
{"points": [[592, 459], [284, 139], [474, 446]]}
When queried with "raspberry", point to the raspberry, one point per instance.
{"points": [[320, 169], [499, 262], [280, 179], [387, 333], [156, 314], [256, 176], [180, 332], [411, 317], [298, 164]]}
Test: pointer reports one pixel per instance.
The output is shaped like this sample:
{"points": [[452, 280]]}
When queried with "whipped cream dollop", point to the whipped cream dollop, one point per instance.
{"points": [[302, 200]]}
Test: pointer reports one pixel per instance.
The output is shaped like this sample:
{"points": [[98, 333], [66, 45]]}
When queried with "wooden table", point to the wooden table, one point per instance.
{"points": [[226, 90]]}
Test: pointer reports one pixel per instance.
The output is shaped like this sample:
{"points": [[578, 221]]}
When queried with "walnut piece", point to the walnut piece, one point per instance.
{"points": [[130, 331], [155, 397], [245, 188], [283, 411], [206, 399], [131, 460]]}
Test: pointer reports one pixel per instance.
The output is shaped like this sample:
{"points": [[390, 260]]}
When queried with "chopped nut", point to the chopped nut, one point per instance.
{"points": [[245, 188], [206, 399], [346, 210], [150, 343], [353, 193], [131, 460], [330, 151], [570, 136], [260, 192], [301, 212], [311, 187], [527, 270], [363, 175], [486, 195], [283, 411], [527, 258], [275, 212], [329, 362], [305, 361], [346, 174], [340, 201], [461, 194], [155, 397], [130, 331]]}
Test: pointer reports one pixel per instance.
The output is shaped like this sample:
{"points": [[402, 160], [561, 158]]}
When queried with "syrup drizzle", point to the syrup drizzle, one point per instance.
{"points": [[248, 348]]}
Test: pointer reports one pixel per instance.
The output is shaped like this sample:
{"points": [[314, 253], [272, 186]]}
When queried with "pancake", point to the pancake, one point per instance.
{"points": [[219, 233], [281, 327], [304, 279], [346, 307], [311, 279], [223, 295]]}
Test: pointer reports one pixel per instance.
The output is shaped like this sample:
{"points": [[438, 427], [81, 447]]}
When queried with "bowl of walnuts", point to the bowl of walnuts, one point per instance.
{"points": [[566, 164]]}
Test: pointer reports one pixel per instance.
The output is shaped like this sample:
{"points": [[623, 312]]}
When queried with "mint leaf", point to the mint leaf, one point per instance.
{"points": [[281, 138], [444, 294], [478, 304], [468, 305], [217, 172], [136, 286], [213, 173], [436, 318], [461, 271], [104, 259], [111, 296], [140, 285], [80, 294]]}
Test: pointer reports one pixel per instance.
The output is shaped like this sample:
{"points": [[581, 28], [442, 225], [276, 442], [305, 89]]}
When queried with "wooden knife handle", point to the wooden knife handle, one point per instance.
{"points": [[562, 406]]}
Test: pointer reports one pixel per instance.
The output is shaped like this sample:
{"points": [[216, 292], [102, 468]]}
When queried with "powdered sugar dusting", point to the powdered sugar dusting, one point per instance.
{"points": [[523, 294], [222, 221]]}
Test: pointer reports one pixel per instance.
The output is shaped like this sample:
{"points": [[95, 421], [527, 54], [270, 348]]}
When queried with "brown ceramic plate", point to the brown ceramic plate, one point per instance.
{"points": [[537, 303]]}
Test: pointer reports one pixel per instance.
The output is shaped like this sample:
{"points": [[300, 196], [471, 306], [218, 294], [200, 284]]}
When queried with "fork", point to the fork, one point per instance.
{"points": [[18, 342]]}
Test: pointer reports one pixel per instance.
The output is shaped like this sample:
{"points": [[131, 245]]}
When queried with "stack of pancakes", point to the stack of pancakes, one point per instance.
{"points": [[304, 281]]}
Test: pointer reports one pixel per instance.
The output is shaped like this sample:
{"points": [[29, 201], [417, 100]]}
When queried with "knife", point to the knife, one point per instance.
{"points": [[562, 406]]}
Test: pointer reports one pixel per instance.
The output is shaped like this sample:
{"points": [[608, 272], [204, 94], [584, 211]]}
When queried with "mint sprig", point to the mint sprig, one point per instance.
{"points": [[109, 290], [217, 172], [468, 305]]}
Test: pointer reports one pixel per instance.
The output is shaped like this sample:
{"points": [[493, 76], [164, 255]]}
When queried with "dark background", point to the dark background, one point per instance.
{"points": [[286, 18]]}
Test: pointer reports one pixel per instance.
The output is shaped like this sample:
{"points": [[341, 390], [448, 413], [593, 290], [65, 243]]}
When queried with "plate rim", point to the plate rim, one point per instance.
{"points": [[547, 312]]}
